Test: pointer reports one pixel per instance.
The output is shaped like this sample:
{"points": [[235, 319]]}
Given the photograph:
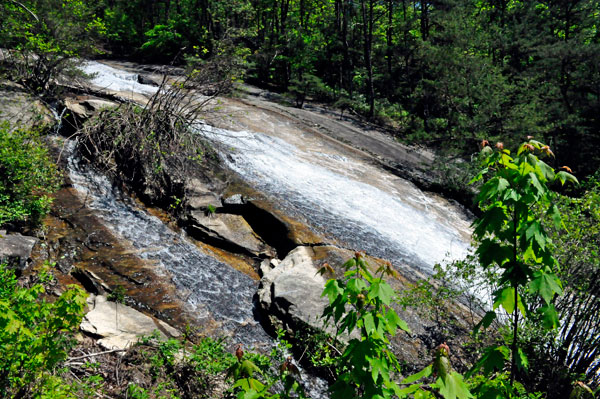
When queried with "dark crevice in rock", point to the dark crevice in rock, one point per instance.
{"points": [[266, 225], [87, 281], [216, 241]]}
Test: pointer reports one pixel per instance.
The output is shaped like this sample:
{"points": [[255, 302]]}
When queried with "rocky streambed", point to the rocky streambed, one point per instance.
{"points": [[300, 189]]}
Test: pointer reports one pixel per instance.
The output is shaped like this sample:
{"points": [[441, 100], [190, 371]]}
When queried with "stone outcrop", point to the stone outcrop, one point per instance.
{"points": [[290, 293], [231, 231], [83, 108], [199, 195], [119, 326], [289, 296], [15, 249], [20, 108]]}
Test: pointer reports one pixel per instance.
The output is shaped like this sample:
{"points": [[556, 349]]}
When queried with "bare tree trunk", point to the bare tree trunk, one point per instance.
{"points": [[368, 38]]}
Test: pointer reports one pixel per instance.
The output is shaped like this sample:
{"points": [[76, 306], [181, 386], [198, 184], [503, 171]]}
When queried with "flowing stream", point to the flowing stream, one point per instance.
{"points": [[338, 194], [209, 286], [356, 203]]}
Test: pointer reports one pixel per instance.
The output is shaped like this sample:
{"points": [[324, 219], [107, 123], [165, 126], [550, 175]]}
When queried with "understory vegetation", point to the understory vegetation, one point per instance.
{"points": [[28, 177]]}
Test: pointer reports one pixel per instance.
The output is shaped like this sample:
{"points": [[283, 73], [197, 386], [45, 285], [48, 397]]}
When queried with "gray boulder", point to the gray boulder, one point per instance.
{"points": [[290, 293], [15, 250], [120, 326], [200, 195], [85, 108]]}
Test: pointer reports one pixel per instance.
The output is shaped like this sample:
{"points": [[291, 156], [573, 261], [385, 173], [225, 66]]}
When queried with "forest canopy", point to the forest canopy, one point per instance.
{"points": [[444, 73]]}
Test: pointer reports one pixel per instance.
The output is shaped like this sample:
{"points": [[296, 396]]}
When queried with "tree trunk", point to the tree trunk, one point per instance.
{"points": [[367, 38]]}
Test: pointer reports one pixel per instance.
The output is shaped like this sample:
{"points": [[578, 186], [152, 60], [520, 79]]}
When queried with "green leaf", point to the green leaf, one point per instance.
{"points": [[546, 285], [369, 324], [549, 317], [535, 231], [491, 222], [378, 367], [555, 214], [566, 177], [426, 372], [522, 361], [394, 322], [506, 298], [382, 291], [453, 386], [486, 321], [356, 285], [332, 290], [536, 183], [491, 252], [493, 359]]}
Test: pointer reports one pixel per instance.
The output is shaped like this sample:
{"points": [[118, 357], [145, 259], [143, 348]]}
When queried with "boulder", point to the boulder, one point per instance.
{"points": [[147, 80], [290, 293], [15, 250], [85, 108], [231, 231], [200, 195], [289, 296], [236, 199], [119, 326], [20, 108]]}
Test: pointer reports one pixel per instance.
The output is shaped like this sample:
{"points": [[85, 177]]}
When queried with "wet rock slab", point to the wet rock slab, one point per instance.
{"points": [[232, 230]]}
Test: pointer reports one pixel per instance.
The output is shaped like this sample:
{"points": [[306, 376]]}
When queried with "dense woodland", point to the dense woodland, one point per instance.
{"points": [[449, 75], [443, 73]]}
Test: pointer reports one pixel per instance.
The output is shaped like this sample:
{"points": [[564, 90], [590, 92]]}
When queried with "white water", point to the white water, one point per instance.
{"points": [[346, 198], [114, 79], [357, 203]]}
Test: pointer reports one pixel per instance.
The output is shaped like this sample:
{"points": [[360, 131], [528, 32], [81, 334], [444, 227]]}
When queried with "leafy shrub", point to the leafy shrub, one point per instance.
{"points": [[27, 177], [35, 336]]}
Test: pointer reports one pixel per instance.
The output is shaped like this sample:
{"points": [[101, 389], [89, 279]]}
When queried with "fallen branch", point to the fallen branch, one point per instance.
{"points": [[95, 354]]}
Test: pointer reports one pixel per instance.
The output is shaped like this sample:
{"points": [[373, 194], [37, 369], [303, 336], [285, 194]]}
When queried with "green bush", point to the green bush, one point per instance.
{"points": [[27, 177], [35, 336]]}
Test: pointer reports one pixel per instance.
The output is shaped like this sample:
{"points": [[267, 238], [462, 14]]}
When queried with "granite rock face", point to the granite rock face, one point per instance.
{"points": [[231, 230], [120, 326]]}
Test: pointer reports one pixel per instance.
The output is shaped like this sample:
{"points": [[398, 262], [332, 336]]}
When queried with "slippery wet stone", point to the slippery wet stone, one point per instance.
{"points": [[120, 326]]}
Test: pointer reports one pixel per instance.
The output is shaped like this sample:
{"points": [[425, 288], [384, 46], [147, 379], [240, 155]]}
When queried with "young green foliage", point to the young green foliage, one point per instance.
{"points": [[360, 303], [512, 237], [35, 335], [27, 177]]}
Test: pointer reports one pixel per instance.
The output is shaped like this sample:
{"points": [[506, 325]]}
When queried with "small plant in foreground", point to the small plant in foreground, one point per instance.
{"points": [[27, 177], [368, 368]]}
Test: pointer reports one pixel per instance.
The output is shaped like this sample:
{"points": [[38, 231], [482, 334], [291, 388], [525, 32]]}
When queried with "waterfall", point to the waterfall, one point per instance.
{"points": [[360, 205]]}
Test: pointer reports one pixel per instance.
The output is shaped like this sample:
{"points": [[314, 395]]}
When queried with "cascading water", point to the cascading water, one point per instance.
{"points": [[347, 198], [340, 195], [357, 203], [215, 290], [114, 79]]}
